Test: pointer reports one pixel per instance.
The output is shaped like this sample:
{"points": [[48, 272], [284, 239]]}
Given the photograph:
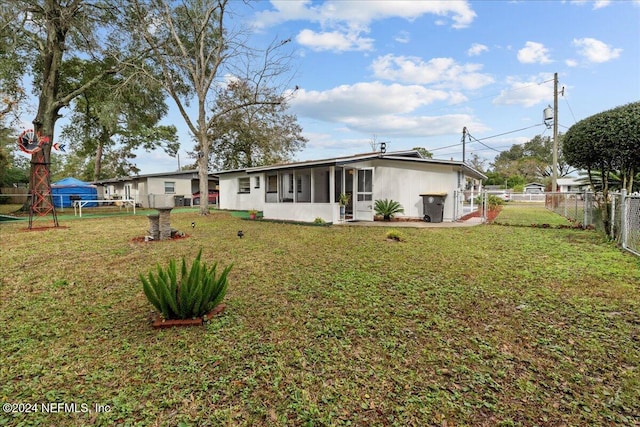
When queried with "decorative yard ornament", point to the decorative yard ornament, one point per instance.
{"points": [[30, 142], [41, 203]]}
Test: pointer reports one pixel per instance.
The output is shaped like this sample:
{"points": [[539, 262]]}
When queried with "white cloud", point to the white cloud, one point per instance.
{"points": [[476, 49], [334, 41], [597, 4], [571, 63], [415, 126], [363, 99], [595, 50], [527, 93], [390, 110], [534, 53], [402, 37], [342, 22], [358, 13], [441, 72]]}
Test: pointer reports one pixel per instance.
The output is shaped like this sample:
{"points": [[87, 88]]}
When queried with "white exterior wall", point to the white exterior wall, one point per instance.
{"points": [[306, 212], [155, 191], [405, 181], [231, 199]]}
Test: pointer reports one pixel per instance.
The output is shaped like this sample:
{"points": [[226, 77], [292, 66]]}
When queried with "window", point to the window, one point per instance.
{"points": [[169, 187], [272, 184], [244, 185], [257, 182]]}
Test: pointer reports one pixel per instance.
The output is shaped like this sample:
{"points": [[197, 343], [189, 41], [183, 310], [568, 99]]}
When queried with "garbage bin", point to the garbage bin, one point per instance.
{"points": [[186, 201], [433, 206], [179, 201]]}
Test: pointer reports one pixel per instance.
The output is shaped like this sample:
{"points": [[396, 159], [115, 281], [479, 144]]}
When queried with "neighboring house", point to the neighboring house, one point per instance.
{"points": [[154, 189], [534, 188], [304, 191], [570, 184]]}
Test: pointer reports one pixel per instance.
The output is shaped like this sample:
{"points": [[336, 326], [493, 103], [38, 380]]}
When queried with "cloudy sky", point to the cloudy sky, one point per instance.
{"points": [[414, 73]]}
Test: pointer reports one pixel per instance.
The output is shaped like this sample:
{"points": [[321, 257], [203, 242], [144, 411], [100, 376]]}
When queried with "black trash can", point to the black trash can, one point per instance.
{"points": [[178, 201], [433, 206]]}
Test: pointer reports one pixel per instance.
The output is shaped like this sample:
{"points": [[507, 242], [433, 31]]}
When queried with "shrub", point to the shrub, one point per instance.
{"points": [[196, 292], [319, 220], [387, 208], [494, 201], [395, 235]]}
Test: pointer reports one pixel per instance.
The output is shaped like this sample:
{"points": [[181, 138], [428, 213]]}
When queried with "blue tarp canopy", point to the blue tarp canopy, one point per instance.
{"points": [[65, 191]]}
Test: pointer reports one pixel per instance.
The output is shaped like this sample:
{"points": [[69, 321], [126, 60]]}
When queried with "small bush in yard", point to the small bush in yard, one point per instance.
{"points": [[192, 293], [395, 235], [387, 208]]}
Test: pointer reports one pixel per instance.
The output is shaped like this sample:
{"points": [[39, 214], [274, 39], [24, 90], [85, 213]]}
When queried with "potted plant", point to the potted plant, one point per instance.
{"points": [[185, 296], [343, 200], [253, 213]]}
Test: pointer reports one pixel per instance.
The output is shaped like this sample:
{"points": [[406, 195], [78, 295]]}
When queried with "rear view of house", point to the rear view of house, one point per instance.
{"points": [[304, 191]]}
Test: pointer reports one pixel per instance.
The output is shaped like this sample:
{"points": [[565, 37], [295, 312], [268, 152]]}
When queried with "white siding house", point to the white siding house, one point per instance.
{"points": [[305, 191], [153, 188]]}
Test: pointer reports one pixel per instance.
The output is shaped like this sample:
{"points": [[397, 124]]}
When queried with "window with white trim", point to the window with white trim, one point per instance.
{"points": [[169, 187], [244, 185]]}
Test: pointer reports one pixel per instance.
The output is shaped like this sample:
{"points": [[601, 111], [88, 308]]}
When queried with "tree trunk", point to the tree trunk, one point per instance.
{"points": [[48, 107]]}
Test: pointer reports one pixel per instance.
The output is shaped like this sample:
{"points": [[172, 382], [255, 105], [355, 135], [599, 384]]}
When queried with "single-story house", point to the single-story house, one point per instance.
{"points": [[534, 188], [305, 191], [154, 189], [570, 184]]}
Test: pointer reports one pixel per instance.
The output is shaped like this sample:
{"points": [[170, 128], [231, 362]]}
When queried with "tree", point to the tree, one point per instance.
{"points": [[604, 144], [250, 134], [532, 160], [195, 50], [38, 35], [426, 154], [110, 120]]}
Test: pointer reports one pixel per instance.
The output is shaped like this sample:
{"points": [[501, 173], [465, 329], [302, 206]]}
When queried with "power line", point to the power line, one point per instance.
{"points": [[511, 131]]}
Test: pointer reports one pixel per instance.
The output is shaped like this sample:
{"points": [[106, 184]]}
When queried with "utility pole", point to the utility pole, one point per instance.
{"points": [[464, 138], [554, 178]]}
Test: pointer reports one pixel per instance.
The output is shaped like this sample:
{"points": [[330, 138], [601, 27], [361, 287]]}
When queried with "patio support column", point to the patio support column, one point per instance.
{"points": [[332, 184], [294, 185]]}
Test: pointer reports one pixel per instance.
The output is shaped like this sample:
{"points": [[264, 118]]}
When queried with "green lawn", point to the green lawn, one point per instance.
{"points": [[530, 214], [486, 325]]}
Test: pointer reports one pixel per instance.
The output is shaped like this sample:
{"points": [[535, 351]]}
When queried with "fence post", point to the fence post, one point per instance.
{"points": [[623, 218], [584, 209], [613, 216]]}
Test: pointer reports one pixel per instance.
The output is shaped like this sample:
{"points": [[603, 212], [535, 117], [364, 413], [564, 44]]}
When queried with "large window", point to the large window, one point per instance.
{"points": [[169, 187], [244, 185]]}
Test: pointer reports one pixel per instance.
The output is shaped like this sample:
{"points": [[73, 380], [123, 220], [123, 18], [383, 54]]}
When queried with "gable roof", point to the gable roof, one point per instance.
{"points": [[407, 155]]}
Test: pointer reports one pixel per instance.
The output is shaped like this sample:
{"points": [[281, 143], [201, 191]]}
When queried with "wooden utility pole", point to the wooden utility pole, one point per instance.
{"points": [[464, 138], [554, 178]]}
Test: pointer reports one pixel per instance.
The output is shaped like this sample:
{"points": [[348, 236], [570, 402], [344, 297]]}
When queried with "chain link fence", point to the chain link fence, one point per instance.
{"points": [[625, 220], [587, 209]]}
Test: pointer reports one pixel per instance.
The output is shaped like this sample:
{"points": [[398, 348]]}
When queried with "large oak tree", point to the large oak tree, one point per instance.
{"points": [[196, 49]]}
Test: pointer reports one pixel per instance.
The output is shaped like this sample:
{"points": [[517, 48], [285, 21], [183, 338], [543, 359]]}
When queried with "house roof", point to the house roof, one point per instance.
{"points": [[408, 155], [534, 184], [192, 172]]}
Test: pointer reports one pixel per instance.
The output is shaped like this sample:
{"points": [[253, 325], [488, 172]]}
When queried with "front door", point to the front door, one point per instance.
{"points": [[363, 205]]}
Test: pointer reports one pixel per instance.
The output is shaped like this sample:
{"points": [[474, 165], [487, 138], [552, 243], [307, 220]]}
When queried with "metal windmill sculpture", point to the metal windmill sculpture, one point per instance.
{"points": [[41, 203]]}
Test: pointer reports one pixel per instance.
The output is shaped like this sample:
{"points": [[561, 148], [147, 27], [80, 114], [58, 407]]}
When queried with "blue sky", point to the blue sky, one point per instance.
{"points": [[414, 73]]}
